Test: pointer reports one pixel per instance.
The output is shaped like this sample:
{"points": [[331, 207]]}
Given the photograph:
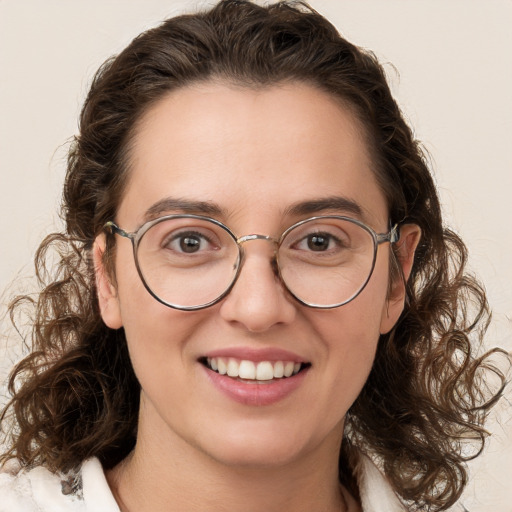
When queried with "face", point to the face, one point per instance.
{"points": [[252, 156]]}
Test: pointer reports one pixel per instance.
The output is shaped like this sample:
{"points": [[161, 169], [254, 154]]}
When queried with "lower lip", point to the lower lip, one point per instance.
{"points": [[251, 393]]}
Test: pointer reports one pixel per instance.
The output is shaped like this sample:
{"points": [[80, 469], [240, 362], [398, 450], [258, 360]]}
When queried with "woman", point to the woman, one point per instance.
{"points": [[257, 305]]}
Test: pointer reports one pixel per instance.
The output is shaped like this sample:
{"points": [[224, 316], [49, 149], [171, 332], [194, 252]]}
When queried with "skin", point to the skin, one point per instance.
{"points": [[254, 153]]}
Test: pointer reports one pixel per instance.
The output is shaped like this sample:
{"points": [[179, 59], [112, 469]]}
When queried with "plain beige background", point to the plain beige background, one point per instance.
{"points": [[450, 66]]}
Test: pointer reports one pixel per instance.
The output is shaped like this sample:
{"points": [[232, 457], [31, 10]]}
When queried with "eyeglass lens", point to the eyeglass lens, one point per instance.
{"points": [[188, 262]]}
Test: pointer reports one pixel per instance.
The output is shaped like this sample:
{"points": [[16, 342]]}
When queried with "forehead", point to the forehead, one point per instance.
{"points": [[246, 149]]}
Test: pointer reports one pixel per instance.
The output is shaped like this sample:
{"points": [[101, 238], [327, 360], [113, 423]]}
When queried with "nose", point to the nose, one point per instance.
{"points": [[258, 300]]}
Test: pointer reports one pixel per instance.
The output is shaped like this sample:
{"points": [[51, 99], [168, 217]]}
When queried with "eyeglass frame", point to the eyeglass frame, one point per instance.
{"points": [[392, 236]]}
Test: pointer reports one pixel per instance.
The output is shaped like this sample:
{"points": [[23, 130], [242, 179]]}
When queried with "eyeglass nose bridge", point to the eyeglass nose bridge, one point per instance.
{"points": [[273, 261], [246, 238]]}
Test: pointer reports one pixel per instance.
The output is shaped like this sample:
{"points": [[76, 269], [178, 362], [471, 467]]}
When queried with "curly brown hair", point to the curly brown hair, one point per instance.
{"points": [[75, 395]]}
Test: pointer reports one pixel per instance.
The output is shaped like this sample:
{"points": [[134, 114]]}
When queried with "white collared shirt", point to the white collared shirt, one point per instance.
{"points": [[39, 490]]}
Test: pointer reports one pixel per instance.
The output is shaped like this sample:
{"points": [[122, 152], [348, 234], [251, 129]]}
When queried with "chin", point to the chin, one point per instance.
{"points": [[259, 447], [255, 457]]}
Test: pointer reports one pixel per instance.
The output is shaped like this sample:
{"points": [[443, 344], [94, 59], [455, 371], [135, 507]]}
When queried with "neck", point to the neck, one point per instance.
{"points": [[165, 473]]}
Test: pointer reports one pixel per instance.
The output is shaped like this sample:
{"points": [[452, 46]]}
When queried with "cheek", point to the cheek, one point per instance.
{"points": [[351, 339], [361, 318], [153, 331], [351, 332]]}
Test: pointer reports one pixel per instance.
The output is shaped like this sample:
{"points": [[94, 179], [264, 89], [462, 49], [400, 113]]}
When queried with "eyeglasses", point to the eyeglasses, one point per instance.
{"points": [[190, 262]]}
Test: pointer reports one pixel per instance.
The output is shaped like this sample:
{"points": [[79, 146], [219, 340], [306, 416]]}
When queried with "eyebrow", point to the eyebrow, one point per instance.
{"points": [[319, 205], [171, 204], [209, 208]]}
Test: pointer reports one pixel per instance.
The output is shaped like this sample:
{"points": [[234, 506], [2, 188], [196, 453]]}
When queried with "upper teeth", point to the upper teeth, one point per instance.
{"points": [[250, 370]]}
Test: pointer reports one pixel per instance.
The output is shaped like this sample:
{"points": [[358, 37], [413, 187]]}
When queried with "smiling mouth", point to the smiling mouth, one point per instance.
{"points": [[246, 370]]}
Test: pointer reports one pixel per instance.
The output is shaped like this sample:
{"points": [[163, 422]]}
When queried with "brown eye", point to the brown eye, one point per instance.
{"points": [[318, 242], [190, 243]]}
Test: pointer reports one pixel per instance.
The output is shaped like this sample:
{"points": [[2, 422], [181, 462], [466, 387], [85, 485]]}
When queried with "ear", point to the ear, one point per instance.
{"points": [[410, 235], [107, 293]]}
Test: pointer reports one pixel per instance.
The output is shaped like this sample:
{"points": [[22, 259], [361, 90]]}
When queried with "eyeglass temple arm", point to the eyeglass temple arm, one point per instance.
{"points": [[114, 229], [392, 236]]}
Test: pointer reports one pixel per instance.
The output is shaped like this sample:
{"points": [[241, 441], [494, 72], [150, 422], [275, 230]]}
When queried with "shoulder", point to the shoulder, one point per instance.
{"points": [[36, 489], [376, 492], [40, 490]]}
